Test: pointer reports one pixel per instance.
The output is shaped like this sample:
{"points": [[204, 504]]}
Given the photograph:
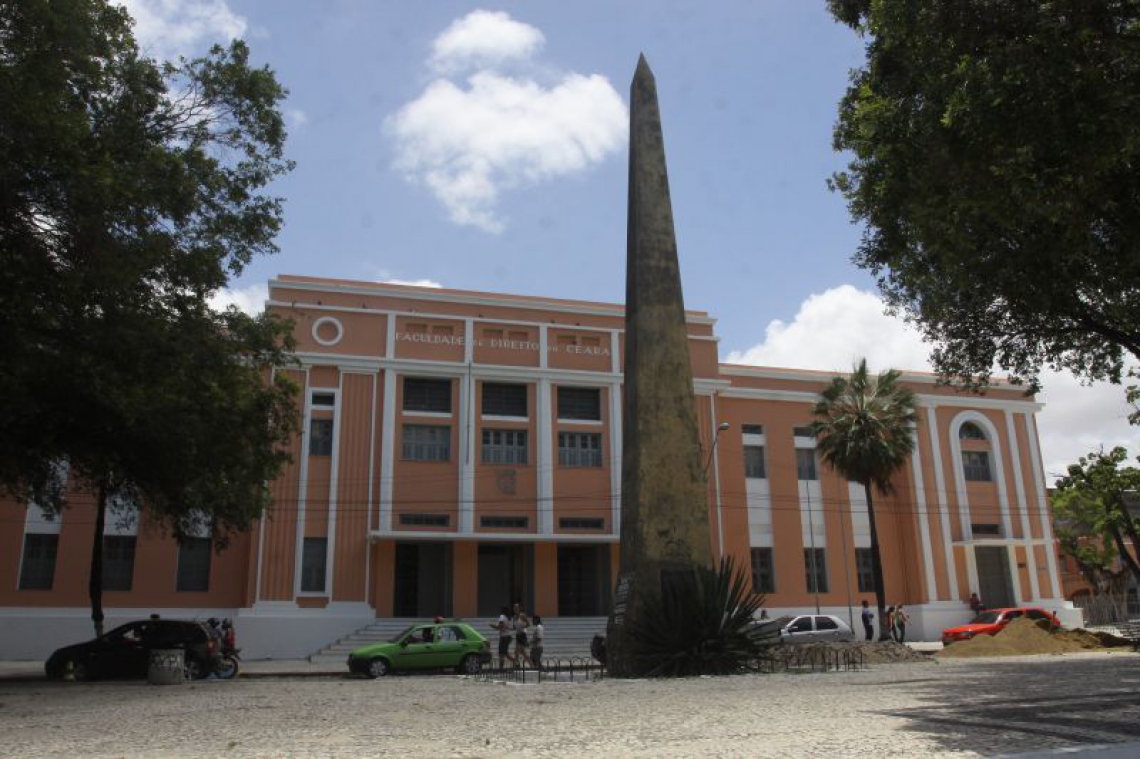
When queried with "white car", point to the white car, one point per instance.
{"points": [[809, 628]]}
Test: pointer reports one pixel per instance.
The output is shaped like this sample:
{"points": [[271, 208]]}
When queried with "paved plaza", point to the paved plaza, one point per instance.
{"points": [[944, 708]]}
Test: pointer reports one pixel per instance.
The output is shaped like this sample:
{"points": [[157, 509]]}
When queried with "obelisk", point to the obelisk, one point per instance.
{"points": [[664, 496]]}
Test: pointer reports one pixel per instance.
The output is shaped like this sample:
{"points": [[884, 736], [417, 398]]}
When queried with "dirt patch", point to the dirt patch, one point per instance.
{"points": [[887, 652], [1024, 636]]}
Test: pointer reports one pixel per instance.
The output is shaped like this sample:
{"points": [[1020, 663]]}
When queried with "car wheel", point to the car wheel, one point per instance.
{"points": [[470, 665], [377, 668], [80, 672], [228, 669], [192, 669]]}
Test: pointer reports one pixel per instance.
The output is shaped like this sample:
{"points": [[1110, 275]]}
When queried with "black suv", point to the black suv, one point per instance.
{"points": [[124, 653]]}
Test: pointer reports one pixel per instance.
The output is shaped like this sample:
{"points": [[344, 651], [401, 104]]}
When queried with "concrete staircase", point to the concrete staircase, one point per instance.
{"points": [[565, 636]]}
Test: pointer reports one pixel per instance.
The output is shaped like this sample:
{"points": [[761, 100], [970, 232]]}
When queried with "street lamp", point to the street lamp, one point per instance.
{"points": [[712, 449]]}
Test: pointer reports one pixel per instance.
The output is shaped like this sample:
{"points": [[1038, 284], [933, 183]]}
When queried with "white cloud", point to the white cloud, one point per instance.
{"points": [[833, 329], [484, 38], [249, 299], [469, 142], [296, 117], [385, 277], [170, 28]]}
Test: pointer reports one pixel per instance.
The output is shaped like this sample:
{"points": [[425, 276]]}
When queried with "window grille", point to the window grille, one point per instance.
{"points": [[865, 570], [504, 400], [512, 523], [976, 466], [754, 462], [504, 447], [314, 555], [118, 561], [581, 523], [580, 449], [584, 403], [763, 571], [421, 394], [815, 566], [425, 520], [194, 565], [38, 569], [425, 442], [805, 464], [320, 437]]}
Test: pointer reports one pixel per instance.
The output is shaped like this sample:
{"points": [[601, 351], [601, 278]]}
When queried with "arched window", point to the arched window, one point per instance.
{"points": [[970, 431]]}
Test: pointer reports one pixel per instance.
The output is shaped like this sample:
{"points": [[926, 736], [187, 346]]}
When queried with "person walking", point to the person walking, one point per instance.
{"points": [[503, 625], [901, 618], [890, 622], [521, 622], [538, 637], [868, 621]]}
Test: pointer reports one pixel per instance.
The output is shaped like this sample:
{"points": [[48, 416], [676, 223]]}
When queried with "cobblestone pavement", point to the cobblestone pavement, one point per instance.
{"points": [[949, 708]]}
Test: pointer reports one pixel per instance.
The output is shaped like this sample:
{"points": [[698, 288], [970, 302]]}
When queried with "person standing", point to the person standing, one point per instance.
{"points": [[503, 625], [976, 604], [868, 621], [521, 622], [538, 637], [890, 622], [901, 618]]}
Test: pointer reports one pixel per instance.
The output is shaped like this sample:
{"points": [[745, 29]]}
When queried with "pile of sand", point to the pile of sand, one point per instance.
{"points": [[1023, 637]]}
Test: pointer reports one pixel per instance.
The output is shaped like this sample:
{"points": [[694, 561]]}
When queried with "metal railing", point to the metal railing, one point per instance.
{"points": [[575, 669], [1103, 610]]}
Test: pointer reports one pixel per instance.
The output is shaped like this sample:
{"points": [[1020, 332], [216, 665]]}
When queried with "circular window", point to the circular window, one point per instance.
{"points": [[327, 330]]}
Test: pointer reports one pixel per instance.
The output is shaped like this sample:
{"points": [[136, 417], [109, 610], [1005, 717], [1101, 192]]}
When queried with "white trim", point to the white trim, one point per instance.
{"points": [[465, 434], [390, 336], [387, 448], [584, 422], [943, 504], [1042, 505], [430, 414], [707, 338], [1015, 573], [924, 400], [317, 324], [923, 519], [544, 432], [960, 477], [487, 299], [615, 359], [1022, 509], [543, 347], [371, 480], [303, 486], [497, 418], [469, 341], [493, 537], [334, 489], [775, 372]]}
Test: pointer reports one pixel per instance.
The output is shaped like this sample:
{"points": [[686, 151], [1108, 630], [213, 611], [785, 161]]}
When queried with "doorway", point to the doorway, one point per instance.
{"points": [[506, 575], [423, 580], [583, 581], [994, 582]]}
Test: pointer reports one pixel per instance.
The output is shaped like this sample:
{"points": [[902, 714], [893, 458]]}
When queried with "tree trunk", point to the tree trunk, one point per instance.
{"points": [[877, 567], [95, 576], [1131, 531], [1125, 554]]}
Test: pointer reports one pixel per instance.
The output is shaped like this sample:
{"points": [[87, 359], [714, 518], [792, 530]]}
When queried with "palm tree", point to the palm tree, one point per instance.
{"points": [[863, 429]]}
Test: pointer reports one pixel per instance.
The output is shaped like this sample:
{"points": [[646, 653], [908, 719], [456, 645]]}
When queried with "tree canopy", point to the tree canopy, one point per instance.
{"points": [[1093, 520], [130, 191], [994, 151]]}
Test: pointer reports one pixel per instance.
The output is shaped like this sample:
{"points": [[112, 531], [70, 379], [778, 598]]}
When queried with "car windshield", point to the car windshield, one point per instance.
{"points": [[986, 618], [400, 635]]}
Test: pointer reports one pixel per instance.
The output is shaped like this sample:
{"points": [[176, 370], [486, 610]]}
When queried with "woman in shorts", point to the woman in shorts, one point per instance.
{"points": [[521, 622]]}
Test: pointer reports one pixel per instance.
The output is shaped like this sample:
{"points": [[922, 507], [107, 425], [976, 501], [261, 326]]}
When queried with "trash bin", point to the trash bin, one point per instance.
{"points": [[166, 666]]}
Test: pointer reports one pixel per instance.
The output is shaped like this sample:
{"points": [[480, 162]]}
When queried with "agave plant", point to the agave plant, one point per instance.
{"points": [[701, 626]]}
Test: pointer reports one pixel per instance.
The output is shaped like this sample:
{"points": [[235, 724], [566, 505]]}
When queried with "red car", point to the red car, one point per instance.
{"points": [[992, 621]]}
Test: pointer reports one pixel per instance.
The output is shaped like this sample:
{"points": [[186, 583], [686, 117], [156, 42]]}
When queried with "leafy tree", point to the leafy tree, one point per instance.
{"points": [[129, 193], [863, 428], [994, 148], [1092, 518]]}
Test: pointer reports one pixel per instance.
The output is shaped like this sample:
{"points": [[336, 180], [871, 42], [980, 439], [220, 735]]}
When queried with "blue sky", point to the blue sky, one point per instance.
{"points": [[483, 146]]}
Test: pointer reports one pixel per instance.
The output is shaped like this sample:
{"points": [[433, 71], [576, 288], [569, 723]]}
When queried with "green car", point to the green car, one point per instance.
{"points": [[432, 645]]}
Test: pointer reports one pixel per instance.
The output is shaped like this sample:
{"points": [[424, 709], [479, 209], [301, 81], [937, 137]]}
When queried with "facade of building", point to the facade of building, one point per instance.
{"points": [[462, 450]]}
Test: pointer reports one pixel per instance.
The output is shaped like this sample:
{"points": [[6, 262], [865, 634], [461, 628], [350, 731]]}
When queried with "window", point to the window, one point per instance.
{"points": [[752, 429], [976, 466], [504, 400], [805, 464], [592, 342], [504, 447], [417, 328], [864, 570], [754, 462], [825, 623], [513, 523], [583, 403], [802, 624], [194, 565], [118, 561], [449, 635], [443, 330], [38, 569], [519, 337], [763, 571], [581, 523], [327, 400], [425, 520], [981, 529], [432, 395], [815, 565], [320, 437], [803, 432], [579, 449], [970, 431], [313, 559], [424, 442], [492, 334], [565, 341]]}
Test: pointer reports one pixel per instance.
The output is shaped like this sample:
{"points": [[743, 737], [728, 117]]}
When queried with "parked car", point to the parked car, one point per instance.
{"points": [[124, 652], [438, 645], [809, 628], [993, 621]]}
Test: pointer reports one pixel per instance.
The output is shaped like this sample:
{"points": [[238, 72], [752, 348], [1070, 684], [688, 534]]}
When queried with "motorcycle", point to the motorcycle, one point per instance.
{"points": [[229, 658]]}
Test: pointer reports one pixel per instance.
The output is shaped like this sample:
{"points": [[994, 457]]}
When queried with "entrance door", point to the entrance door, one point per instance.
{"points": [[583, 581], [423, 580], [994, 583], [506, 576]]}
